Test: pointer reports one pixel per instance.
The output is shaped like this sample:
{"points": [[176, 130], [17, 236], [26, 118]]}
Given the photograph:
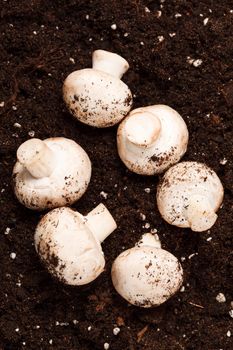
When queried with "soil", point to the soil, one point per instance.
{"points": [[41, 43]]}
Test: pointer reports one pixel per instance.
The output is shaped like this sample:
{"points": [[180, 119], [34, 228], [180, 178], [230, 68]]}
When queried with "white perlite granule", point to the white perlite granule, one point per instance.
{"points": [[221, 298], [116, 330]]}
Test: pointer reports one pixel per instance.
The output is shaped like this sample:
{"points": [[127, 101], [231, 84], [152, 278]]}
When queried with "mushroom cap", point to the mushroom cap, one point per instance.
{"points": [[146, 276], [66, 184], [68, 248], [168, 144], [96, 98], [184, 181]]}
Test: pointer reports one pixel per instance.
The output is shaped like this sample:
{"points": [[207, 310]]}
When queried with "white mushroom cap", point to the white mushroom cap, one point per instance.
{"points": [[97, 96], [151, 139], [146, 275], [50, 173], [69, 244], [189, 196]]}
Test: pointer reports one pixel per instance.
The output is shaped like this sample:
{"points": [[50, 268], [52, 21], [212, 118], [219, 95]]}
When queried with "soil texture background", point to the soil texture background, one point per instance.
{"points": [[41, 43]]}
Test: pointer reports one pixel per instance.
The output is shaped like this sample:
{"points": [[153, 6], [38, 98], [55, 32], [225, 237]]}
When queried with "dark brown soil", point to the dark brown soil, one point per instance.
{"points": [[38, 38]]}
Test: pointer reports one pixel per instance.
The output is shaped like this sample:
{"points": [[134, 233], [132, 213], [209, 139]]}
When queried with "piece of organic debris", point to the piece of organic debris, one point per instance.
{"points": [[97, 96], [50, 173], [69, 244], [151, 139], [189, 195], [146, 275]]}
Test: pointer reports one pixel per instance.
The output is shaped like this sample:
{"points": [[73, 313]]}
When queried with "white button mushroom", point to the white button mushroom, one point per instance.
{"points": [[147, 275], [69, 244], [97, 96], [189, 196], [50, 173], [151, 139]]}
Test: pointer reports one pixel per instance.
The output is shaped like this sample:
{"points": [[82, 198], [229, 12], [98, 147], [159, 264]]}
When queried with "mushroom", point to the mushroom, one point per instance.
{"points": [[147, 275], [189, 195], [96, 96], [50, 173], [69, 244], [151, 139]]}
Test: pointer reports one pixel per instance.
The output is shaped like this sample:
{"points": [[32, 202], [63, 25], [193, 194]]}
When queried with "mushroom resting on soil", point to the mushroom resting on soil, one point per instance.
{"points": [[151, 139], [69, 244], [50, 173], [189, 195], [96, 96], [147, 275]]}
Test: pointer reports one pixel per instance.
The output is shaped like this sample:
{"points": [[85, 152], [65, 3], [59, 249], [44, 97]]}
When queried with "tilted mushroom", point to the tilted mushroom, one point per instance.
{"points": [[69, 244], [189, 195], [151, 139], [147, 275], [96, 96], [50, 173]]}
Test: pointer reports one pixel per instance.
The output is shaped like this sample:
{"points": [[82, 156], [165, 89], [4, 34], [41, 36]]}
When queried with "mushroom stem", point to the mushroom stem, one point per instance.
{"points": [[200, 214], [37, 158], [100, 222], [109, 62], [142, 128], [149, 240]]}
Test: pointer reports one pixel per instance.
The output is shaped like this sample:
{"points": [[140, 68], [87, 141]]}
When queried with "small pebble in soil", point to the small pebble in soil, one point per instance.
{"points": [[183, 258], [103, 194], [177, 15], [75, 322], [89, 328], [228, 334], [206, 20], [17, 329], [147, 225], [153, 231], [7, 231], [116, 330], [31, 133], [197, 63], [142, 216], [142, 43], [50, 341], [126, 34], [2, 104], [172, 34], [182, 289], [158, 14], [223, 161], [209, 239], [221, 298], [147, 10], [72, 60], [13, 255], [14, 108], [160, 38], [87, 17], [106, 346], [113, 26], [231, 313], [147, 190], [17, 125]]}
